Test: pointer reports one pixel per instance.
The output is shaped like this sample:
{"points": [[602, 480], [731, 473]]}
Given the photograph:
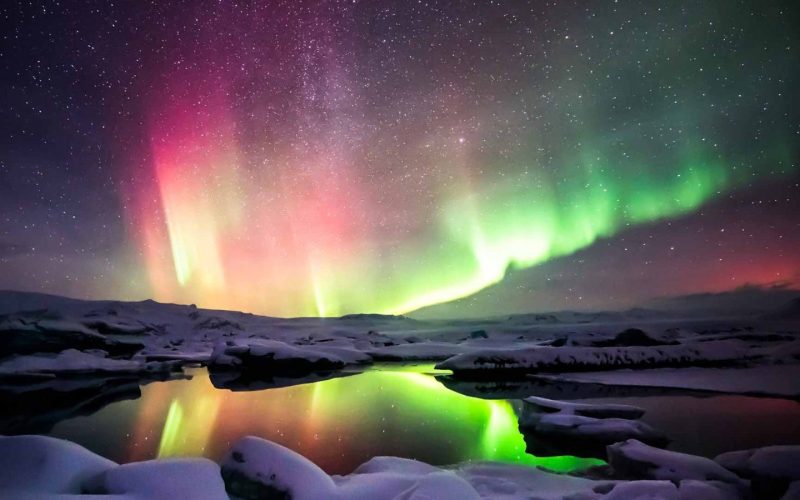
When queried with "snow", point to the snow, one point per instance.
{"points": [[274, 355], [55, 337], [40, 465], [45, 468], [255, 466], [608, 430], [389, 485], [25, 333], [495, 362], [562, 428], [667, 490], [423, 351], [545, 405], [512, 482], [777, 380], [168, 479], [634, 459], [394, 464], [780, 462], [74, 362]]}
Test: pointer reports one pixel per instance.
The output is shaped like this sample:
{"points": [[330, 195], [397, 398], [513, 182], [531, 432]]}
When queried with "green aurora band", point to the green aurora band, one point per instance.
{"points": [[521, 224]]}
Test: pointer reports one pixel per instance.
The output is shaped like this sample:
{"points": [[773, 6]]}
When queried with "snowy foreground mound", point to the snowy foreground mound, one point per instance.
{"points": [[48, 468]]}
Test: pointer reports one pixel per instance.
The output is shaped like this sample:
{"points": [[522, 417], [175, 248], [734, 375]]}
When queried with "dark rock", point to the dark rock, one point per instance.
{"points": [[479, 334], [632, 337]]}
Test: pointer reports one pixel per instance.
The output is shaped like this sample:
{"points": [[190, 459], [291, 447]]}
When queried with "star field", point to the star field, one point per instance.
{"points": [[330, 157]]}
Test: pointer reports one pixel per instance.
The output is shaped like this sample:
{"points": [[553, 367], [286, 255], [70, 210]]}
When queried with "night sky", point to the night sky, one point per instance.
{"points": [[331, 157]]}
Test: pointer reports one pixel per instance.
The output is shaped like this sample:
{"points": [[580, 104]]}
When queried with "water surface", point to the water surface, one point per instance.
{"points": [[337, 423], [387, 410]]}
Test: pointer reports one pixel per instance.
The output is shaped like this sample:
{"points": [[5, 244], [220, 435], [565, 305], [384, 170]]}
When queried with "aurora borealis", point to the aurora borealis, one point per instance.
{"points": [[298, 158]]}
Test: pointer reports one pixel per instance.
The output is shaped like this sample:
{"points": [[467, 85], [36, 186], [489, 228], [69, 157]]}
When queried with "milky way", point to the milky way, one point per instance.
{"points": [[324, 158]]}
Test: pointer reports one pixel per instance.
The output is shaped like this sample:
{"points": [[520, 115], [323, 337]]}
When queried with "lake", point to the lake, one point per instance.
{"points": [[339, 423]]}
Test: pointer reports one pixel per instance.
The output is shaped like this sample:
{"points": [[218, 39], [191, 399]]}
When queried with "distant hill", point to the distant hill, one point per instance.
{"points": [[748, 300], [788, 311]]}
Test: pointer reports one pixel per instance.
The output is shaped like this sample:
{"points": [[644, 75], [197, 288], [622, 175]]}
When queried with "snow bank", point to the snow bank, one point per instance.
{"points": [[48, 468], [27, 333], [108, 326], [515, 482], [561, 428], [74, 362], [168, 479], [276, 356], [38, 465], [771, 469], [257, 468], [544, 405], [390, 485], [422, 351], [588, 429], [779, 380], [504, 362], [394, 464], [771, 461], [667, 490], [634, 459]]}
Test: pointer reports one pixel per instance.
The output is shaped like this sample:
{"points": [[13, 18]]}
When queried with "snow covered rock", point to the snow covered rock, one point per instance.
{"points": [[519, 362], [168, 479], [420, 351], [634, 459], [666, 490], [43, 467], [74, 362], [632, 337], [770, 469], [771, 461], [544, 405], [39, 465], [257, 468], [276, 356], [409, 479], [28, 333], [557, 428], [117, 326], [514, 482], [590, 434], [404, 485], [395, 464]]}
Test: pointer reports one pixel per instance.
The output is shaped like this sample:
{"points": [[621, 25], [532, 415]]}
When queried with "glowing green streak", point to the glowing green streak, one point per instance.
{"points": [[522, 228], [169, 445], [502, 442]]}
